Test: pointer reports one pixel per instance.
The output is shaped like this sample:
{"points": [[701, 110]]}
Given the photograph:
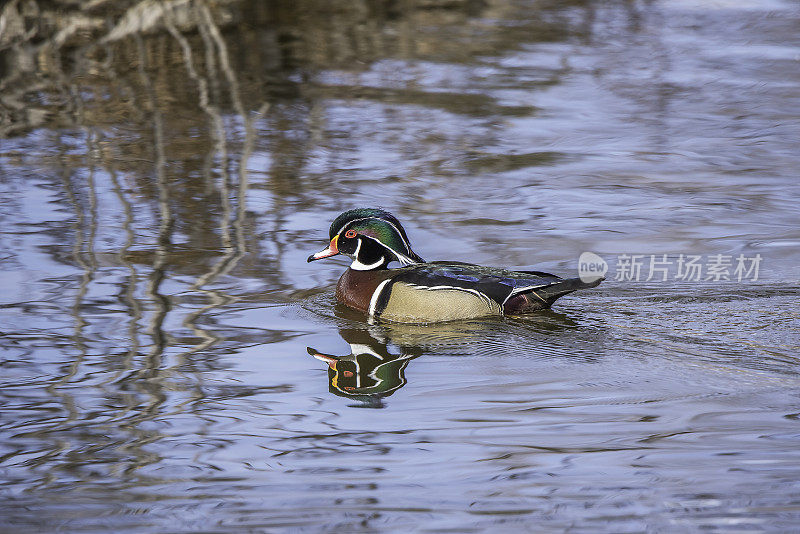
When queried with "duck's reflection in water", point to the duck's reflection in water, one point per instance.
{"points": [[380, 353], [371, 371]]}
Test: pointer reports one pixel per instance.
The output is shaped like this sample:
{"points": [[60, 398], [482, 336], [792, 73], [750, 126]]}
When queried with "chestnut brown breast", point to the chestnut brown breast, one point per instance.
{"points": [[355, 288]]}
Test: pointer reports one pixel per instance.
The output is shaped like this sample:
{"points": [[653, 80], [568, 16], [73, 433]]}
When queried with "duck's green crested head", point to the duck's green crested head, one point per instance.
{"points": [[372, 237], [364, 214]]}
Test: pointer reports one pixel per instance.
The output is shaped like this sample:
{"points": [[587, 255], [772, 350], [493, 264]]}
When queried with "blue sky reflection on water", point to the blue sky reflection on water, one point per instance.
{"points": [[166, 170]]}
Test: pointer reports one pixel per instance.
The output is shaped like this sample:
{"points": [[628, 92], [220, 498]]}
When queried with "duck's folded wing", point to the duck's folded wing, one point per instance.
{"points": [[497, 284]]}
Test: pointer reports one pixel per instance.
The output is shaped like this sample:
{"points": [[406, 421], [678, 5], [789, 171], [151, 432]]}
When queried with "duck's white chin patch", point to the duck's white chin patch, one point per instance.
{"points": [[358, 266]]}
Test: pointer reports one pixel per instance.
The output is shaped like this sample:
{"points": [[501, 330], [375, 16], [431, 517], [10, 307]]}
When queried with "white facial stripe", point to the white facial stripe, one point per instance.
{"points": [[402, 258], [358, 266], [405, 242]]}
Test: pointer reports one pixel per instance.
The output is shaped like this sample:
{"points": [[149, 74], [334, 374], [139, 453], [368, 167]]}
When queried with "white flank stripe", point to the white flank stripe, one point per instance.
{"points": [[373, 302]]}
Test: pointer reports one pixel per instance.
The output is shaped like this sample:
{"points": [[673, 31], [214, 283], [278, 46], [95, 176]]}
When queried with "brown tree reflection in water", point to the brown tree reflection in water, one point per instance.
{"points": [[178, 140], [167, 166], [150, 113]]}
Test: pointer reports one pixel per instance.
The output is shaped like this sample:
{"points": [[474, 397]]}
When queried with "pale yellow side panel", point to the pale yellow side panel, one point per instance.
{"points": [[408, 304]]}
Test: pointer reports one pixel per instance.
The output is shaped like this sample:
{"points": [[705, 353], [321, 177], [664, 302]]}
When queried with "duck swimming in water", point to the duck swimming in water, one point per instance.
{"points": [[428, 292]]}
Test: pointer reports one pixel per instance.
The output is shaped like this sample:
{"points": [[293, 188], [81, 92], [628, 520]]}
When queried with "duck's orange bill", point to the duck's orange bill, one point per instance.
{"points": [[332, 250], [327, 358]]}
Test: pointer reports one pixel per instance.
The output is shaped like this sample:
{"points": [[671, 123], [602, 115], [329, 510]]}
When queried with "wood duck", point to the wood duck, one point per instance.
{"points": [[428, 292]]}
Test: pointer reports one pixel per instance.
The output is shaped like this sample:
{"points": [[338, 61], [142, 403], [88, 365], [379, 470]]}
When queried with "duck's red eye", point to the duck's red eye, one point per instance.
{"points": [[350, 234]]}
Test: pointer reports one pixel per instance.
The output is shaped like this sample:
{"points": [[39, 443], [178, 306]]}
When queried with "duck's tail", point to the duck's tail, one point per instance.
{"points": [[544, 297], [551, 293]]}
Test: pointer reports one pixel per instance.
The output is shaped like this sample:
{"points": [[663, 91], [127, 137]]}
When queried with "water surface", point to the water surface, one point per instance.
{"points": [[166, 168]]}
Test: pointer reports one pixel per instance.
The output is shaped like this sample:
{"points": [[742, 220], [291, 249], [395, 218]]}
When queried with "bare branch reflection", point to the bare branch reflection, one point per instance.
{"points": [[167, 166], [189, 137]]}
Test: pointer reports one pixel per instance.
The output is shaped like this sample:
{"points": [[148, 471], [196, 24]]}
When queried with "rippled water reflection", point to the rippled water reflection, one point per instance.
{"points": [[166, 168]]}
